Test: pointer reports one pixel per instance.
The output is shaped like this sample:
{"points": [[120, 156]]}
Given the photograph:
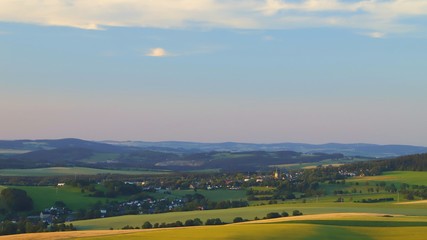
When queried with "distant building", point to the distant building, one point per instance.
{"points": [[103, 212], [276, 174]]}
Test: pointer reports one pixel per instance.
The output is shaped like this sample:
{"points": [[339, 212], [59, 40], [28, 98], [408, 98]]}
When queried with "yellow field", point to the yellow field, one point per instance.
{"points": [[335, 226]]}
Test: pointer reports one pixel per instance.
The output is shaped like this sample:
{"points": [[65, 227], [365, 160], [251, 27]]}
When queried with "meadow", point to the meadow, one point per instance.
{"points": [[45, 196], [397, 177], [227, 215], [327, 162]]}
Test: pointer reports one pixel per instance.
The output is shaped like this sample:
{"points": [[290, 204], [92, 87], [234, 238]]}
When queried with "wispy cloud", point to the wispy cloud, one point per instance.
{"points": [[376, 34], [157, 52], [385, 16]]}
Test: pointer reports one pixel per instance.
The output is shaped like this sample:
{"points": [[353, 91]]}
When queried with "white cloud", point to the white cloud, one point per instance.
{"points": [[157, 52], [376, 35], [369, 15]]}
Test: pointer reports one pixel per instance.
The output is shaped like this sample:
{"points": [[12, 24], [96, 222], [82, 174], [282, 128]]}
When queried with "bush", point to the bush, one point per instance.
{"points": [[296, 213], [198, 222], [189, 222], [238, 219], [193, 222], [214, 221], [273, 215], [127, 227], [147, 225], [285, 214]]}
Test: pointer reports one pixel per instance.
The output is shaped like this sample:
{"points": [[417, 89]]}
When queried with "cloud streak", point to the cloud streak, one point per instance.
{"points": [[385, 16], [157, 52]]}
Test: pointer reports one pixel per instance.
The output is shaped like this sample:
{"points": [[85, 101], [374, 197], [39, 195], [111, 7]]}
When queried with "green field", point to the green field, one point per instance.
{"points": [[408, 177], [333, 162], [46, 196], [62, 171], [227, 215]]}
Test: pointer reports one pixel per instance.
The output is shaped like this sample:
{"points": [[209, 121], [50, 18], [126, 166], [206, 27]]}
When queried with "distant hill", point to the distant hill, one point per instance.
{"points": [[146, 159], [48, 144], [358, 149], [184, 156]]}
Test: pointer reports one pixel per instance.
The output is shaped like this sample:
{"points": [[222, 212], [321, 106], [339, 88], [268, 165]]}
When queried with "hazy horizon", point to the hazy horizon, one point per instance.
{"points": [[215, 71], [205, 142]]}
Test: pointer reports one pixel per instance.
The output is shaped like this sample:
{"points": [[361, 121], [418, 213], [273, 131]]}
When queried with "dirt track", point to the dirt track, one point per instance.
{"points": [[413, 202]]}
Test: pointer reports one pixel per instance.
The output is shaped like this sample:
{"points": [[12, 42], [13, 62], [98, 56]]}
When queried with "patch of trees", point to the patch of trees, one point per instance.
{"points": [[187, 223], [375, 200], [239, 219], [272, 215], [214, 221], [283, 214], [27, 226], [16, 199], [61, 227], [199, 202], [296, 213], [414, 191], [115, 188]]}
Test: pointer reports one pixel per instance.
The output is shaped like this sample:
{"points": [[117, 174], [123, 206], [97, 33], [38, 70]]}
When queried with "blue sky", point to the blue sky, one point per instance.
{"points": [[209, 70]]}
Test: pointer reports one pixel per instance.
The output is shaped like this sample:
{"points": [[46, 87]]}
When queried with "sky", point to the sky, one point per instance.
{"points": [[262, 71]]}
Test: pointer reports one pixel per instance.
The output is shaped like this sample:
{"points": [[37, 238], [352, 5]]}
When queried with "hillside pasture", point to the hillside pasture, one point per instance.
{"points": [[408, 177], [45, 196], [227, 215]]}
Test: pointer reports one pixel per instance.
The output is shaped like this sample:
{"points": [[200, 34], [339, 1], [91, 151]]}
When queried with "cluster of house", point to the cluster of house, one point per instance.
{"points": [[53, 214], [146, 206], [347, 173]]}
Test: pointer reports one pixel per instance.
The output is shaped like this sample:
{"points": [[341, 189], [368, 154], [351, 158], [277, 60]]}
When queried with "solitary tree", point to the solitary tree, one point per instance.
{"points": [[147, 225]]}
